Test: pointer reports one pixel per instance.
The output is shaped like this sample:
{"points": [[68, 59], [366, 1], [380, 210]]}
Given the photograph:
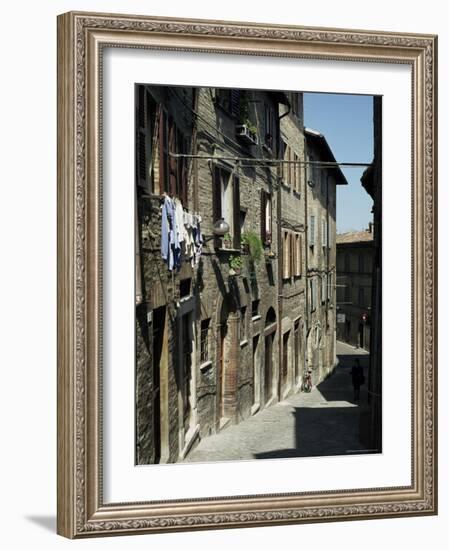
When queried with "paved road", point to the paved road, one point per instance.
{"points": [[322, 422]]}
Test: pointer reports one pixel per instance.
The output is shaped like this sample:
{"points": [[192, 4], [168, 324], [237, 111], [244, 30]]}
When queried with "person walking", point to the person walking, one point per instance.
{"points": [[358, 379]]}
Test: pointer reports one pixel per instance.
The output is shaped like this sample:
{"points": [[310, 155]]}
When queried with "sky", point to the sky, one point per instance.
{"points": [[346, 121]]}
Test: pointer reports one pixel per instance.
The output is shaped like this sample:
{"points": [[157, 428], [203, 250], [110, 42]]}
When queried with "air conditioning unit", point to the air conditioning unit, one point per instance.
{"points": [[247, 135]]}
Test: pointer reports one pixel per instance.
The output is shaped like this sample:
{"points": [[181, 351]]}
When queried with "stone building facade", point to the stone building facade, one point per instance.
{"points": [[322, 175], [226, 332], [355, 265]]}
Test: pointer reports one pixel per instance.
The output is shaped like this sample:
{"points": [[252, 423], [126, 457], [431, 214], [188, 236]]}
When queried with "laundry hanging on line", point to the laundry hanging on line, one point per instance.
{"points": [[180, 234]]}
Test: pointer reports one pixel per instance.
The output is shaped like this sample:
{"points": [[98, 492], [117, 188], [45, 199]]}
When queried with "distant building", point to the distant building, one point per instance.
{"points": [[355, 257]]}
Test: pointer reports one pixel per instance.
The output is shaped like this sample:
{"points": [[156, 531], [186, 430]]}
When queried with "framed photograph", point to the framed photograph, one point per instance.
{"points": [[246, 274]]}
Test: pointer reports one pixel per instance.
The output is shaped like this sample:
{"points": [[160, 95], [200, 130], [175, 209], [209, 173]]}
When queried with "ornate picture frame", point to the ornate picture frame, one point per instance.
{"points": [[82, 38]]}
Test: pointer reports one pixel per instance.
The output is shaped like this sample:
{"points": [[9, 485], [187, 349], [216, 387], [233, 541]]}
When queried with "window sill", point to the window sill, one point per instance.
{"points": [[256, 318], [244, 343], [228, 250], [190, 438], [205, 366]]}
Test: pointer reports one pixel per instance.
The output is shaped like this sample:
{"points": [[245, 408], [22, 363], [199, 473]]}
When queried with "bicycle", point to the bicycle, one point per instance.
{"points": [[306, 385]]}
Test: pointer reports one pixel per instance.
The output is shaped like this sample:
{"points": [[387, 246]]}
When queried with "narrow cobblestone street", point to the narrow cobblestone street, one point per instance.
{"points": [[320, 423]]}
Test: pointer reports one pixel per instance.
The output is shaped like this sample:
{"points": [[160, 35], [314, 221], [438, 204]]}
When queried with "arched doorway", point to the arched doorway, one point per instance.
{"points": [[227, 362], [269, 335]]}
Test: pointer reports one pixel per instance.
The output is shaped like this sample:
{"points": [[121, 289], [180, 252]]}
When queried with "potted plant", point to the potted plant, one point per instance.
{"points": [[235, 265], [227, 240]]}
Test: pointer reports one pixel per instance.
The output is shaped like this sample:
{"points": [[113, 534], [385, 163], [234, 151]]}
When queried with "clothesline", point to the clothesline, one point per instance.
{"points": [[179, 227]]}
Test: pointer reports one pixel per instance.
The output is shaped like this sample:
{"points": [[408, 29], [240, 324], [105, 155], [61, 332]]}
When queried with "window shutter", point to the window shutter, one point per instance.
{"points": [[291, 251], [297, 173], [236, 210], [216, 200], [172, 161], [141, 137], [184, 173], [235, 102], [312, 231], [290, 165], [263, 217], [163, 174], [274, 131], [266, 119], [284, 164], [285, 255]]}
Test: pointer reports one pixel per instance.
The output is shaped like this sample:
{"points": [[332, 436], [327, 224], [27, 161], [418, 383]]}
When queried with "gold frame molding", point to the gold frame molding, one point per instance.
{"points": [[81, 37]]}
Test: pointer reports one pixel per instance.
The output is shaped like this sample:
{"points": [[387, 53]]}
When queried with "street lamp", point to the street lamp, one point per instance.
{"points": [[220, 228]]}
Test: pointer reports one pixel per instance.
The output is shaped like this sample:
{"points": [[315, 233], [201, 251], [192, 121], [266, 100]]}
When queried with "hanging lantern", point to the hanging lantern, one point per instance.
{"points": [[221, 227]]}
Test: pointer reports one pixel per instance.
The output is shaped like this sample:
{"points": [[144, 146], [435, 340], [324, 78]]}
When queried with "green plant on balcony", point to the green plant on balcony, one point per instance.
{"points": [[252, 243], [236, 264], [244, 117], [227, 240]]}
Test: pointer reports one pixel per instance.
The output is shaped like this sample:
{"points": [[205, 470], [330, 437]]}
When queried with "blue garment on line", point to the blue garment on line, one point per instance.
{"points": [[170, 246]]}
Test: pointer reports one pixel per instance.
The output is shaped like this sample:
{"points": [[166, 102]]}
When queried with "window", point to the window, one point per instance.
{"points": [[298, 263], [155, 168], [204, 346], [340, 289], [312, 293], [291, 169], [323, 288], [330, 286], [361, 262], [287, 254], [295, 100], [311, 170], [347, 294], [323, 177], [270, 126], [255, 308], [242, 335], [323, 233], [265, 217], [312, 231], [297, 270], [146, 116], [287, 165], [297, 174], [229, 100], [226, 203], [361, 296], [185, 287]]}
